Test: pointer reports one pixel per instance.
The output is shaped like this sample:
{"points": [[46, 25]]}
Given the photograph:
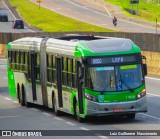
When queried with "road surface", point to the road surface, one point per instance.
{"points": [[7, 26], [15, 117], [83, 13]]}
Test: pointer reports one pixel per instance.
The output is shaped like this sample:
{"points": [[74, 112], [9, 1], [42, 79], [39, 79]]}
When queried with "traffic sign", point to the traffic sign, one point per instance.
{"points": [[39, 1]]}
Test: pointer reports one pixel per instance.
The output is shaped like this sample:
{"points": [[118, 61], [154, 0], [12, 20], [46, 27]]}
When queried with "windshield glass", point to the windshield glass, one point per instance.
{"points": [[114, 78]]}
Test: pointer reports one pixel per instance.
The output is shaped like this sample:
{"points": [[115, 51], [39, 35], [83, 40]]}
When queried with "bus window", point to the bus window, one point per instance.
{"points": [[21, 54], [74, 75], [13, 59], [64, 71], [54, 69], [17, 60], [26, 61], [37, 66], [101, 78], [69, 73]]}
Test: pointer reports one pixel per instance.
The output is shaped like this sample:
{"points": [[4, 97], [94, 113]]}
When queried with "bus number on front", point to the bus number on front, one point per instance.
{"points": [[97, 61]]}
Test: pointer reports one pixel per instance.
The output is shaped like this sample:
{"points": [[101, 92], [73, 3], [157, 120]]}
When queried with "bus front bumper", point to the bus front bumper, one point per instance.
{"points": [[100, 109]]}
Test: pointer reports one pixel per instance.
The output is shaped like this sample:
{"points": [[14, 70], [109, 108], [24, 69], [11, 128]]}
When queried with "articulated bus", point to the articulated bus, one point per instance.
{"points": [[80, 75]]}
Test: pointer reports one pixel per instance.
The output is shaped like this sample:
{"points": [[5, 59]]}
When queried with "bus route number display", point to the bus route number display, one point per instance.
{"points": [[111, 60]]}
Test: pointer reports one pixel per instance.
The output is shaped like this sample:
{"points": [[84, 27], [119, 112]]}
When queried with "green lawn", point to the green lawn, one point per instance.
{"points": [[149, 11], [49, 21]]}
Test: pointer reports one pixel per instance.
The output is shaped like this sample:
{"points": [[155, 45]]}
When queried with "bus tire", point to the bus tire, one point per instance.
{"points": [[131, 116], [27, 104], [76, 115], [54, 103], [18, 93], [22, 98]]}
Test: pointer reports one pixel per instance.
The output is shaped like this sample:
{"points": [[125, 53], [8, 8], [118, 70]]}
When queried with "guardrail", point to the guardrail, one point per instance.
{"points": [[146, 41]]}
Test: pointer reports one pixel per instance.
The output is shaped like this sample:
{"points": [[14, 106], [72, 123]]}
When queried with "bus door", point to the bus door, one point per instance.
{"points": [[80, 74], [59, 81], [33, 74]]}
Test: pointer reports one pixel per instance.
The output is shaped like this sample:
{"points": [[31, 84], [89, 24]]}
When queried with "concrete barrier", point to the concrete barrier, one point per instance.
{"points": [[153, 62], [3, 49]]}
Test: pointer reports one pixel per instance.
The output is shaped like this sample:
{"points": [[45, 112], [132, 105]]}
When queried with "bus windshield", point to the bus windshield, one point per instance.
{"points": [[114, 78]]}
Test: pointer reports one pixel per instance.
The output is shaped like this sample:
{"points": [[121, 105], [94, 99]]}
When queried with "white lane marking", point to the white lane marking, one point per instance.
{"points": [[153, 95], [47, 114], [101, 6], [83, 128], [57, 9], [150, 116], [60, 119], [103, 24], [9, 9], [5, 78], [68, 9], [70, 123], [88, 16], [34, 109], [7, 98], [102, 137], [9, 116], [152, 78], [15, 102], [85, 7]]}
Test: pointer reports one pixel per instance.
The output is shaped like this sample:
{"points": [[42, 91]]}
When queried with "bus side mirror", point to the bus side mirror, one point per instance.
{"points": [[145, 69], [81, 73]]}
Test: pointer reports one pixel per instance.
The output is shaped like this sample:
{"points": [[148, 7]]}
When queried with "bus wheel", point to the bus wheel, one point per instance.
{"points": [[76, 113], [56, 111], [18, 93], [27, 104], [131, 116], [22, 98]]}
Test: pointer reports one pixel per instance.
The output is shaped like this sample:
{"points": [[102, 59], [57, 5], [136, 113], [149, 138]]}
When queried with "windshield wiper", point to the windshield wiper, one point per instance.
{"points": [[125, 83]]}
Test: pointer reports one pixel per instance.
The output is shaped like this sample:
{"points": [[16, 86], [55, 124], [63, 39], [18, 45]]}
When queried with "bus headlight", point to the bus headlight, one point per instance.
{"points": [[142, 94], [90, 97]]}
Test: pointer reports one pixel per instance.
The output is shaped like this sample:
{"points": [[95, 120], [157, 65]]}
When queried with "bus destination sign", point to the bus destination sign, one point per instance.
{"points": [[111, 60]]}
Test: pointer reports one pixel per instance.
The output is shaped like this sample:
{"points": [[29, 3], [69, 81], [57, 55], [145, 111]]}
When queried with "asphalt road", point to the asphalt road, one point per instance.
{"points": [[7, 26], [74, 10], [77, 11], [15, 117]]}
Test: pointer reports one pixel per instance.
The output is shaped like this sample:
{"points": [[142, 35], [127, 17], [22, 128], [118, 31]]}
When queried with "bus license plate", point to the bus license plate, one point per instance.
{"points": [[118, 110]]}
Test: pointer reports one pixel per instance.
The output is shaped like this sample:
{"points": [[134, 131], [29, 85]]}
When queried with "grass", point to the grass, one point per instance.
{"points": [[49, 21], [149, 11]]}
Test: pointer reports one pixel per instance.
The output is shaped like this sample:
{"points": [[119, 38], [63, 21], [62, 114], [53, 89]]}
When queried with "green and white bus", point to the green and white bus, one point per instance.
{"points": [[80, 75]]}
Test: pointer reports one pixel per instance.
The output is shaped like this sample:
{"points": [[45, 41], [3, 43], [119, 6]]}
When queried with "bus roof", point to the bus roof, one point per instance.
{"points": [[109, 45], [28, 43], [61, 46], [75, 46]]}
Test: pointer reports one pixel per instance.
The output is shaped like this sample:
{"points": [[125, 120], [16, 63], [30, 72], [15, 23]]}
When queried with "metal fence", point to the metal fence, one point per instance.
{"points": [[146, 41]]}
